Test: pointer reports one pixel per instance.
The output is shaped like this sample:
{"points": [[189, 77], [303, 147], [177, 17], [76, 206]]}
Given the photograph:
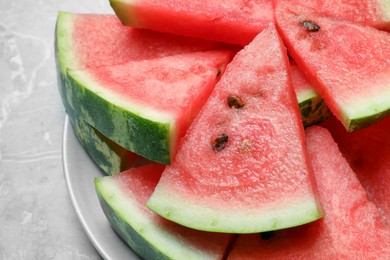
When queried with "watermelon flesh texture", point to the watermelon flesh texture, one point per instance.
{"points": [[311, 105], [261, 179], [229, 21], [350, 228], [374, 13], [348, 64], [123, 199], [146, 106], [93, 40], [111, 43], [368, 153]]}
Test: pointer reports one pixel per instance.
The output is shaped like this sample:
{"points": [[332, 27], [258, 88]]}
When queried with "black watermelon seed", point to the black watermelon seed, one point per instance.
{"points": [[235, 102], [311, 26], [220, 142]]}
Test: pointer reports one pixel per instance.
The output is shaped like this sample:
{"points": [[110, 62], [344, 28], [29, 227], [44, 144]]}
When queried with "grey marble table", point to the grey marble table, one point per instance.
{"points": [[37, 220]]}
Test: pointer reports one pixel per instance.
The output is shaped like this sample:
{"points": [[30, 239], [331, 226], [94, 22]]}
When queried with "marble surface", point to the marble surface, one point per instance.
{"points": [[37, 220]]}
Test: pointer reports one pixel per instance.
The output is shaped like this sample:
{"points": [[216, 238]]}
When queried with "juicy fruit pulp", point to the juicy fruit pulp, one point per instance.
{"points": [[350, 228], [368, 153], [123, 199], [146, 106], [112, 44], [232, 21], [374, 13], [348, 64], [77, 48], [243, 169]]}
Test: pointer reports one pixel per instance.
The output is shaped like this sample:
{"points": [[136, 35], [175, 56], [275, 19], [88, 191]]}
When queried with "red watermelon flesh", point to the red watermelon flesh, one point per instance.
{"points": [[348, 64], [146, 106], [101, 40], [368, 153], [123, 197], [374, 13], [350, 228], [229, 21], [243, 169]]}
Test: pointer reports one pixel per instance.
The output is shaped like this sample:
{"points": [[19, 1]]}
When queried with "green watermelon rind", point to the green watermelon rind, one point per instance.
{"points": [[359, 114], [145, 238], [136, 128], [77, 97], [312, 107], [107, 155], [124, 13], [385, 7], [64, 54], [240, 221]]}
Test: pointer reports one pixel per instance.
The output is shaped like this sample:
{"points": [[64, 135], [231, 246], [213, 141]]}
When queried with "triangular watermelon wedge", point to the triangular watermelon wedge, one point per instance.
{"points": [[146, 106], [242, 165], [350, 228], [123, 199], [348, 64], [88, 41]]}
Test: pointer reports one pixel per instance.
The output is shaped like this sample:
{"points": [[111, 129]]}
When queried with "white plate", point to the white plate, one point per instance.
{"points": [[80, 172]]}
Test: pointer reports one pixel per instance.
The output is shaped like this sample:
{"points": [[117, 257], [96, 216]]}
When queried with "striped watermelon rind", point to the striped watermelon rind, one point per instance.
{"points": [[113, 201], [129, 129], [300, 211], [359, 114], [110, 158], [107, 155], [79, 98], [312, 107], [150, 236]]}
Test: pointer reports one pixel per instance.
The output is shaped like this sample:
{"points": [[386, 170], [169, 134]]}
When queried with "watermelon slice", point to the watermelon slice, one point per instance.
{"points": [[311, 105], [374, 13], [110, 44], [368, 153], [123, 199], [228, 21], [94, 40], [146, 106], [350, 228], [242, 167], [348, 64], [109, 156], [87, 41]]}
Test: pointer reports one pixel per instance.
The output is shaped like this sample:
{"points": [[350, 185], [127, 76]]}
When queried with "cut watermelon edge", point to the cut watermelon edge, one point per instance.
{"points": [[85, 80], [385, 7], [358, 115], [110, 199], [126, 15], [283, 215], [63, 45], [136, 228], [113, 120]]}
